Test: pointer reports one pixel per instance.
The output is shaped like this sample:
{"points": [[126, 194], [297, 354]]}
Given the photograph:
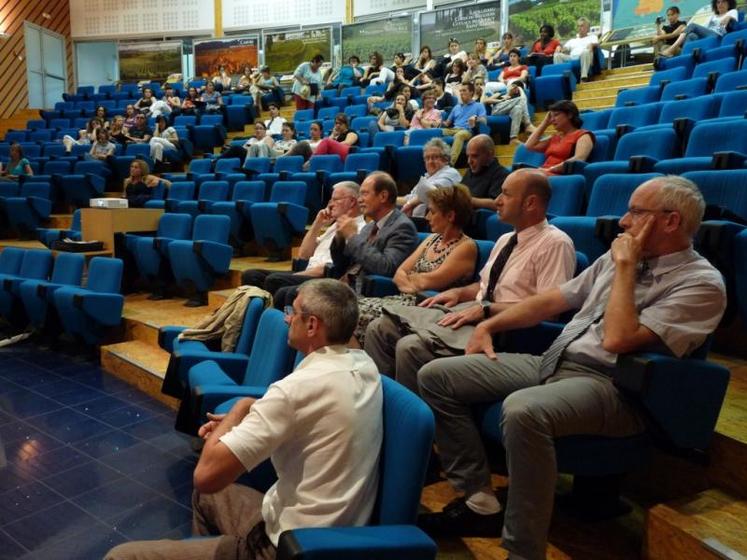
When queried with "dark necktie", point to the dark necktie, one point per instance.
{"points": [[499, 265], [351, 274]]}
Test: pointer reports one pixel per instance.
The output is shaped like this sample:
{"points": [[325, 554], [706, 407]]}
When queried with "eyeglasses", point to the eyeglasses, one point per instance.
{"points": [[638, 212], [290, 312]]}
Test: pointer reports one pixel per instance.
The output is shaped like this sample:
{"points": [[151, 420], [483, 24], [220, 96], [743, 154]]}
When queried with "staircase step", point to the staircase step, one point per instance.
{"points": [[631, 80], [600, 102], [709, 526], [628, 69], [139, 364]]}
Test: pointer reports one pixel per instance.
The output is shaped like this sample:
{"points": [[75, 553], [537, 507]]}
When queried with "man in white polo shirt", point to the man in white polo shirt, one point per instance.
{"points": [[321, 425], [579, 48]]}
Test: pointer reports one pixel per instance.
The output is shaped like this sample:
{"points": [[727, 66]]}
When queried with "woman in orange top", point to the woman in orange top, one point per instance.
{"points": [[543, 48], [570, 143]]}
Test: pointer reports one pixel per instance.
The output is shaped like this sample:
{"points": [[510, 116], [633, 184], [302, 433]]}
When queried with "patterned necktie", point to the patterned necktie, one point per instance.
{"points": [[351, 274], [499, 265], [571, 332]]}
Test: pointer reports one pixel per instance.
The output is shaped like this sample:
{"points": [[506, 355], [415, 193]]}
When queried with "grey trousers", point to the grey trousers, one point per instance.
{"points": [[586, 58], [516, 109], [233, 513], [577, 400]]}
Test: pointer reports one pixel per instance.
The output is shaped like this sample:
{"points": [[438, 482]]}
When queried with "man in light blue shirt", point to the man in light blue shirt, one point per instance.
{"points": [[463, 120]]}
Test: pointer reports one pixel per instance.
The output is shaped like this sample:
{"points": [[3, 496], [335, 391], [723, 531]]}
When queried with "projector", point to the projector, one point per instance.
{"points": [[108, 203]]}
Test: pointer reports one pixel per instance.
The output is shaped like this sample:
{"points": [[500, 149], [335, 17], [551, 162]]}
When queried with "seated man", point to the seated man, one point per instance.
{"points": [[464, 120], [275, 123], [485, 175], [315, 246], [579, 48], [380, 247], [536, 257], [650, 292], [321, 425], [141, 133]]}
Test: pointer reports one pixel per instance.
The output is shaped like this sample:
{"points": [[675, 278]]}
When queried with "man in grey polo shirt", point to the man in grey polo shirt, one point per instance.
{"points": [[650, 292]]}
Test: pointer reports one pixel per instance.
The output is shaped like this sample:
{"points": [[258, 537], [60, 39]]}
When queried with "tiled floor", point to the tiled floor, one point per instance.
{"points": [[86, 461]]}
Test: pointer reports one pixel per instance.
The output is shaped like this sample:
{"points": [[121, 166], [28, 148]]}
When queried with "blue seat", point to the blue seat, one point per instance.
{"points": [[357, 167], [239, 114], [419, 137], [277, 221], [740, 265], [409, 166], [245, 193], [303, 115], [57, 167], [35, 265], [353, 111], [384, 143], [524, 157], [208, 193], [609, 201], [152, 253], [328, 113], [38, 295], [687, 111], [320, 167], [731, 81], [197, 167], [223, 377], [685, 89], [258, 164], [733, 105], [179, 191], [185, 120], [706, 140], [29, 209], [208, 255], [408, 432], [567, 195], [624, 119], [637, 96], [714, 68], [556, 83], [88, 312], [207, 137], [49, 235]]}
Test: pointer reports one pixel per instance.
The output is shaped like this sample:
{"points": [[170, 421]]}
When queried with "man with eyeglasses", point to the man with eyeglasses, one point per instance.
{"points": [[322, 427], [141, 133], [650, 292], [315, 247]]}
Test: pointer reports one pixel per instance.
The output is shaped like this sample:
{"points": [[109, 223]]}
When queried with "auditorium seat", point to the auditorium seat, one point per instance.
{"points": [[208, 193], [320, 168], [49, 235], [152, 252], [245, 193], [357, 167], [35, 265], [276, 222], [707, 140]]}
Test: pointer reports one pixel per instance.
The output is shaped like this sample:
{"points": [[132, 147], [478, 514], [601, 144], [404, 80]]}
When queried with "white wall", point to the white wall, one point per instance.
{"points": [[96, 63]]}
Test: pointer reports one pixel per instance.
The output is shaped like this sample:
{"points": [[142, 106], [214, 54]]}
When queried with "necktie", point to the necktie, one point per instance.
{"points": [[499, 265], [351, 274], [571, 332]]}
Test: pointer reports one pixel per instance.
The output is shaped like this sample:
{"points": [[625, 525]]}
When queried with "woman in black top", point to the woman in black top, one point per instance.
{"points": [[140, 185]]}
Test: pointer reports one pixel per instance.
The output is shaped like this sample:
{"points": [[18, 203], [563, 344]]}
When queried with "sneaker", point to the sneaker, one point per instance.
{"points": [[458, 520]]}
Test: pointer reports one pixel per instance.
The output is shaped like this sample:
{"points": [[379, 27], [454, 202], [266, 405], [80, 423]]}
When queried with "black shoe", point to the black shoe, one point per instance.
{"points": [[458, 520]]}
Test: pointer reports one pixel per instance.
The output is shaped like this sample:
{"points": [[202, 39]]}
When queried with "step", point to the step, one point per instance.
{"points": [[599, 92], [139, 364], [709, 526], [601, 102], [631, 80], [628, 69]]}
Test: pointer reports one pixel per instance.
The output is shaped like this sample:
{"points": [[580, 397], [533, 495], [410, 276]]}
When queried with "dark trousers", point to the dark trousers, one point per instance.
{"points": [[282, 285]]}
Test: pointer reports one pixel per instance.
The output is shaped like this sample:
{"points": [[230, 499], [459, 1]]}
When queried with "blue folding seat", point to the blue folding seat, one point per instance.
{"points": [[79, 187], [595, 120], [362, 125], [284, 169], [152, 253], [208, 193], [710, 147], [557, 82], [523, 157], [140, 151], [685, 89], [11, 259], [409, 165], [107, 89], [258, 164], [285, 215], [207, 137], [198, 262], [45, 135], [567, 195], [49, 235], [179, 191], [687, 59], [732, 105], [29, 209], [636, 152], [198, 166], [408, 431], [354, 111], [683, 114], [419, 137], [714, 68], [303, 129], [303, 115], [35, 265], [289, 164], [88, 312], [328, 113], [37, 296], [215, 379], [132, 90], [36, 124], [384, 143], [320, 167], [240, 112], [53, 150], [185, 120], [637, 96], [740, 265], [357, 167], [625, 119], [59, 123], [211, 119], [16, 136], [731, 81], [609, 201], [245, 193], [663, 77], [228, 169]]}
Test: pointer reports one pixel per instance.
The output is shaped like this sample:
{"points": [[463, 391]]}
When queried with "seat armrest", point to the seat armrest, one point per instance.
{"points": [[575, 167], [622, 129], [216, 255], [607, 228], [106, 309], [641, 164], [233, 365], [167, 335], [728, 160], [299, 265]]}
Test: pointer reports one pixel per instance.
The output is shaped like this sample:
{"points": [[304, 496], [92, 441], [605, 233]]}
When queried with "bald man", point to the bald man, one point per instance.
{"points": [[534, 257], [485, 175]]}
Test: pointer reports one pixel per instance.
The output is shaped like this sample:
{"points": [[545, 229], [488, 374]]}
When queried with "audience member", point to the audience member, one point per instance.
{"points": [[455, 77], [212, 99], [86, 136], [164, 138], [266, 84], [139, 186], [339, 140], [500, 56], [275, 123], [307, 82], [396, 116], [667, 34], [475, 69], [724, 14], [279, 147], [118, 132], [454, 53], [512, 102], [543, 49], [17, 165], [130, 116], [222, 80], [485, 176], [464, 120], [102, 149], [347, 75], [145, 102], [579, 48], [438, 174], [141, 133], [191, 102], [444, 100], [427, 117]]}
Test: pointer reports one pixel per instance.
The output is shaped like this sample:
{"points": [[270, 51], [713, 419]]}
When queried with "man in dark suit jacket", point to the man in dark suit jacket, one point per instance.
{"points": [[380, 247]]}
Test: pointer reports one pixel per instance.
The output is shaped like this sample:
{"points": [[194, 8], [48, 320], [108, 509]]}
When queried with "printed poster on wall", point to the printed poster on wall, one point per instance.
{"points": [[285, 51], [525, 17], [234, 53], [149, 61], [387, 36], [636, 18], [463, 23]]}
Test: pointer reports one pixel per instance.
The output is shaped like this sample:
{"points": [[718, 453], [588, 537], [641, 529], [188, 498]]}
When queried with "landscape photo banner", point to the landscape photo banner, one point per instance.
{"points": [[525, 17], [464, 23], [149, 61], [387, 36], [285, 51], [234, 54], [643, 13]]}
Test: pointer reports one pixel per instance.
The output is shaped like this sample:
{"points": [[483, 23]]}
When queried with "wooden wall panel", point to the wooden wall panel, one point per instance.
{"points": [[51, 14]]}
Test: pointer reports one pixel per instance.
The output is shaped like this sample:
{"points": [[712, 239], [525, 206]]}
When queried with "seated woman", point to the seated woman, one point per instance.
{"points": [[453, 79], [724, 14], [139, 186], [375, 64], [570, 143], [173, 103], [279, 147], [513, 103], [86, 136], [396, 116], [212, 99], [425, 63], [345, 76], [475, 69], [245, 81], [17, 165], [438, 174], [164, 137], [118, 132], [393, 89], [145, 102], [189, 105], [543, 49], [427, 117], [499, 59], [481, 50], [455, 53], [101, 115], [222, 80], [130, 116], [260, 137], [265, 83], [339, 140], [102, 149], [511, 73], [446, 259]]}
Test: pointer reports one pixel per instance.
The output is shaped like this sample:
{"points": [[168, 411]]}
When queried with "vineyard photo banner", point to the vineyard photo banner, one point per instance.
{"points": [[526, 16], [234, 54], [464, 23], [643, 13], [387, 36], [149, 61], [285, 51]]}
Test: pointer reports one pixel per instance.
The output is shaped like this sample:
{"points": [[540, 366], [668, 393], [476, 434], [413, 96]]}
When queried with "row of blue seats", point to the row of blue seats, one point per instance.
{"points": [[126, 90], [25, 207], [32, 282], [731, 45]]}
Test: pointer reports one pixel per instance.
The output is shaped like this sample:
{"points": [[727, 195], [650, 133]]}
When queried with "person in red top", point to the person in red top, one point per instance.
{"points": [[514, 71], [570, 143], [543, 48]]}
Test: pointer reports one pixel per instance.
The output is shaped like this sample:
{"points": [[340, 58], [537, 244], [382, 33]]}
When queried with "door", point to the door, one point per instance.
{"points": [[46, 66]]}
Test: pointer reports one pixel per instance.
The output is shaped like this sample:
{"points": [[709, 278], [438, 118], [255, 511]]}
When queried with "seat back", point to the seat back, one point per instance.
{"points": [[709, 138], [211, 120], [731, 81], [104, 275], [659, 144], [595, 120], [697, 109], [693, 87], [213, 190], [733, 103], [227, 165], [484, 248], [37, 189], [303, 115], [721, 66], [328, 113], [724, 188], [258, 164], [252, 191], [211, 228], [175, 226], [611, 193], [181, 190], [271, 357], [57, 167], [137, 150], [395, 138], [11, 259], [249, 326], [289, 191], [421, 136], [367, 161], [36, 265], [640, 115], [329, 162], [405, 451], [567, 195], [68, 269], [75, 225], [291, 164], [522, 155]]}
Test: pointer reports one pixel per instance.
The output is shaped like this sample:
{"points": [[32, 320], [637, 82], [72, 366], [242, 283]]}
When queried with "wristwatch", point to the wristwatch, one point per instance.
{"points": [[485, 308]]}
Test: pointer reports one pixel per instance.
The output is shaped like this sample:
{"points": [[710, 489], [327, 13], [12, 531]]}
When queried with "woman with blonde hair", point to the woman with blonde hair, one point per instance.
{"points": [[140, 185]]}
